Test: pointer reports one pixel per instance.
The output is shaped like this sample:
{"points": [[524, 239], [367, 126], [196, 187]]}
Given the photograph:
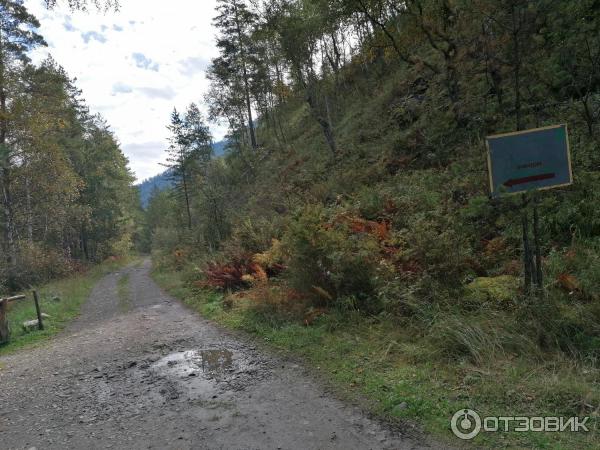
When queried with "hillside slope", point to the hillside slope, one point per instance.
{"points": [[399, 246], [360, 233]]}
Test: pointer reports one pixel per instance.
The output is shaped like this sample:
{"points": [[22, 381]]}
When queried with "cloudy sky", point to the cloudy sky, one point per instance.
{"points": [[135, 65]]}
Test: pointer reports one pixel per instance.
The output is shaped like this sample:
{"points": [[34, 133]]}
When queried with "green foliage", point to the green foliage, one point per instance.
{"points": [[368, 163], [329, 262], [500, 291], [67, 191]]}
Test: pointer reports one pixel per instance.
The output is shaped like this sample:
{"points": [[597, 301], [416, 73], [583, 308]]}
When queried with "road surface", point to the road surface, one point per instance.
{"points": [[144, 372]]}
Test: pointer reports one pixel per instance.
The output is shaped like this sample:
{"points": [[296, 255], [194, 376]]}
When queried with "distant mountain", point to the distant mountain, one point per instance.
{"points": [[219, 148], [162, 181]]}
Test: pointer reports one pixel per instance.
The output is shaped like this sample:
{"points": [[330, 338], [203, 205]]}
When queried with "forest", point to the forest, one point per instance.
{"points": [[67, 195]]}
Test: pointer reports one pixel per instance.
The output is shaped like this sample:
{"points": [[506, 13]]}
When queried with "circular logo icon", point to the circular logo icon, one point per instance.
{"points": [[466, 424]]}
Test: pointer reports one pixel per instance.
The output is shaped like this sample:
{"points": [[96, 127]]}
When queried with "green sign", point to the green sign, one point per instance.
{"points": [[529, 160]]}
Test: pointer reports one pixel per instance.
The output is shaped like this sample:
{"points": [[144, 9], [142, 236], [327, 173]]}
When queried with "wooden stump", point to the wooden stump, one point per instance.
{"points": [[4, 331]]}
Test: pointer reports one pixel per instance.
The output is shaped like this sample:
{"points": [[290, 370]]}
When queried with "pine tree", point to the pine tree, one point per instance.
{"points": [[235, 23]]}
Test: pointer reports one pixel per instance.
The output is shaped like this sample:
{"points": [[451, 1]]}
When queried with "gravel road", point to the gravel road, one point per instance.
{"points": [[145, 372]]}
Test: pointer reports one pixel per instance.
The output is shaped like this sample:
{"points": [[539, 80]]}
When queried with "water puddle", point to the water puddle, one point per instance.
{"points": [[211, 364], [203, 374]]}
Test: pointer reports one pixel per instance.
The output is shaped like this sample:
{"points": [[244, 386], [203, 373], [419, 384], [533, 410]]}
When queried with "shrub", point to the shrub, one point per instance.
{"points": [[37, 264], [577, 269], [496, 292], [332, 256], [252, 236], [443, 251], [235, 273]]}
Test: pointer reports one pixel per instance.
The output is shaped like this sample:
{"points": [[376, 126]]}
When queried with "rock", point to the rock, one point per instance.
{"points": [[399, 408], [30, 325], [501, 289]]}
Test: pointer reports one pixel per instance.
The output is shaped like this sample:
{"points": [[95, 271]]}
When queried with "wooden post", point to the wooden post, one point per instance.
{"points": [[527, 259], [37, 310], [4, 331], [538, 250]]}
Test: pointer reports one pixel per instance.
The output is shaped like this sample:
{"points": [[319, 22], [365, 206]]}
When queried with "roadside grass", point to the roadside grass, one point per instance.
{"points": [[124, 293], [396, 374], [60, 299]]}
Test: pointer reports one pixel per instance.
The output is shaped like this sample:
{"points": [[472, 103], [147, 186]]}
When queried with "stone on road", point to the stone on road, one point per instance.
{"points": [[155, 375]]}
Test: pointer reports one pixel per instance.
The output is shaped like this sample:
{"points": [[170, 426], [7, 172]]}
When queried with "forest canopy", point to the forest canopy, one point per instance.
{"points": [[67, 195]]}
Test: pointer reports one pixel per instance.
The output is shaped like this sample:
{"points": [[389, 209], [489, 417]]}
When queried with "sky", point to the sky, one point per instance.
{"points": [[134, 66]]}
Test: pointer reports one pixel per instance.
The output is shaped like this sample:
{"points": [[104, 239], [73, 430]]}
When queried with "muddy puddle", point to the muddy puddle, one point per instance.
{"points": [[204, 372], [212, 364]]}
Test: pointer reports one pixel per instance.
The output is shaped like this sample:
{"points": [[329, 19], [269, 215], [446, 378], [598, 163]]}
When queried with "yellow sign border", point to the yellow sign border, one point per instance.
{"points": [[514, 133]]}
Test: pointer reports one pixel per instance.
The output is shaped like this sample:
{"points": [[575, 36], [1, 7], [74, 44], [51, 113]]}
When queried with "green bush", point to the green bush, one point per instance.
{"points": [[37, 264], [253, 236], [330, 263]]}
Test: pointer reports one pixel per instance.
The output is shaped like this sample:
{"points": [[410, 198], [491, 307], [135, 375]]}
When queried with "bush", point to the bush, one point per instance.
{"points": [[252, 236], [36, 265], [576, 270], [497, 292], [331, 259]]}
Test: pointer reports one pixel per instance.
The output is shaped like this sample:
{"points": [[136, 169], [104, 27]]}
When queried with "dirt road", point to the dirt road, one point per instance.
{"points": [[145, 372]]}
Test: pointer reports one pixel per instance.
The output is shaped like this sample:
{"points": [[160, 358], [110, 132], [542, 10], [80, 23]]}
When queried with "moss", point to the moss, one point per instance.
{"points": [[500, 289]]}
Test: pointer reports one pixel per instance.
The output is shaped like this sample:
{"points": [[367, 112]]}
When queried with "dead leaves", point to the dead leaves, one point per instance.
{"points": [[569, 283]]}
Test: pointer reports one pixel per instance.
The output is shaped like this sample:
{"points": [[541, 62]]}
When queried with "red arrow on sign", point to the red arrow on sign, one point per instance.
{"points": [[515, 181]]}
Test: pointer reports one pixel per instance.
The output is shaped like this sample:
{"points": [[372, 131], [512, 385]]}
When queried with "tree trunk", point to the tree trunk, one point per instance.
{"points": [[324, 122], [6, 188], [246, 84], [84, 242], [29, 210], [187, 199], [517, 65]]}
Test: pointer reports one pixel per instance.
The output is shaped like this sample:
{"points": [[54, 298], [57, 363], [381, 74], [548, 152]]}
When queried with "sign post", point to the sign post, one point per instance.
{"points": [[526, 161]]}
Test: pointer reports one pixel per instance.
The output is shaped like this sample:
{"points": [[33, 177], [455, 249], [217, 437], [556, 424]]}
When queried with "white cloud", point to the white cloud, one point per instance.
{"points": [[121, 88], [135, 65], [193, 65], [166, 93], [87, 36], [143, 62]]}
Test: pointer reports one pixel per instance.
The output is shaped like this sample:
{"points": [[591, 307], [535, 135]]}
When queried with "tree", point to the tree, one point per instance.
{"points": [[235, 23], [17, 36], [84, 4], [189, 152]]}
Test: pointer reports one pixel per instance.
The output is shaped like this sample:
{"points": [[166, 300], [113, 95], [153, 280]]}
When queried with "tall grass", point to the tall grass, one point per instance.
{"points": [[61, 300]]}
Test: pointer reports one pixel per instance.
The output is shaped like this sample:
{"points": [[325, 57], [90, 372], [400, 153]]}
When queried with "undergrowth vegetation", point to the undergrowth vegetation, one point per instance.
{"points": [[360, 224]]}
